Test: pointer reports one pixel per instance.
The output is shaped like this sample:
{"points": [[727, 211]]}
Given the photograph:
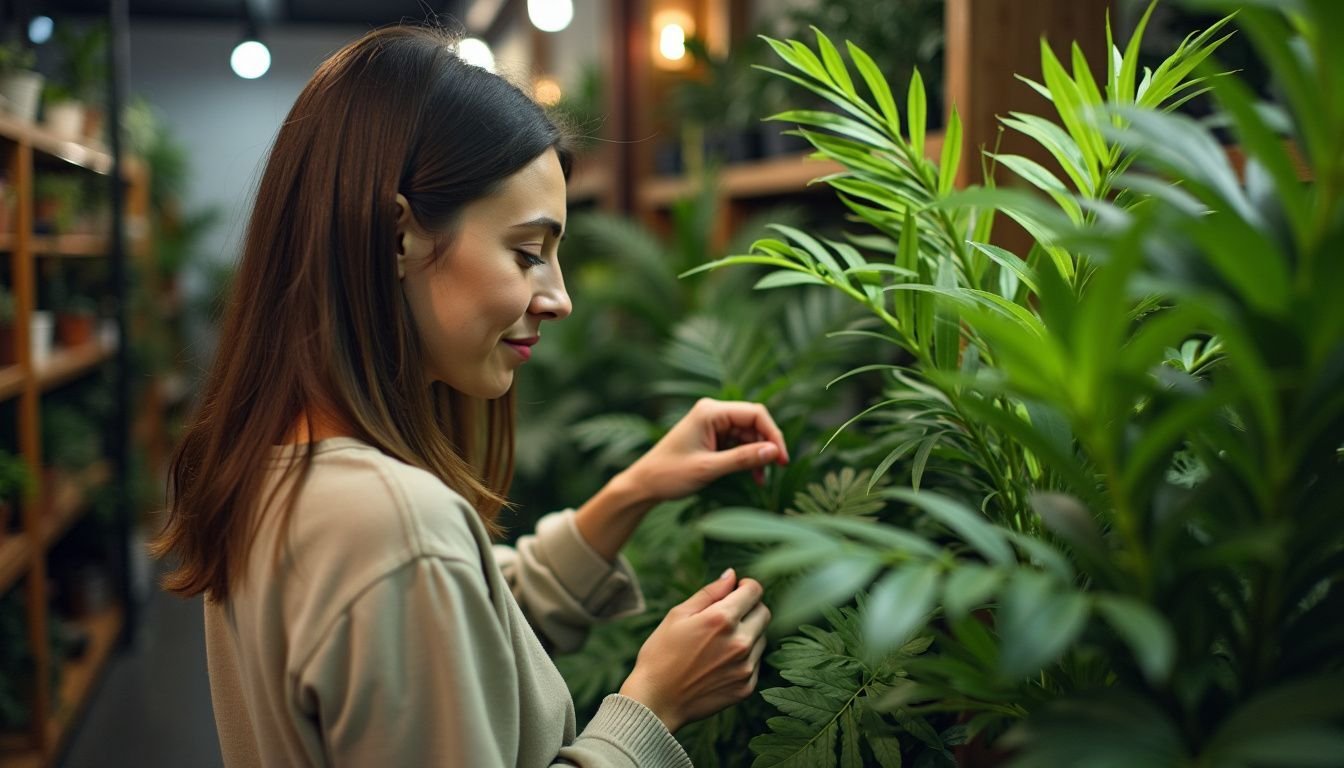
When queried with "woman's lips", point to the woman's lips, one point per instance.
{"points": [[522, 346]]}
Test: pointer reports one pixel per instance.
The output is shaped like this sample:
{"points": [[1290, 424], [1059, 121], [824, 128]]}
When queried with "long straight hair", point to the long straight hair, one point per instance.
{"points": [[317, 321]]}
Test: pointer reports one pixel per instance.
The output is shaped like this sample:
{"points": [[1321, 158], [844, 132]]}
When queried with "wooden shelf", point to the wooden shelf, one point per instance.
{"points": [[82, 245], [14, 552], [78, 677], [68, 364], [786, 175], [70, 500], [53, 148], [12, 379]]}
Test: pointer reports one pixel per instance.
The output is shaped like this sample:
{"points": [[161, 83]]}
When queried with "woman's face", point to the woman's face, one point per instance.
{"points": [[479, 307]]}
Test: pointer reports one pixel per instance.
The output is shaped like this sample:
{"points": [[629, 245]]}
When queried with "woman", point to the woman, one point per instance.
{"points": [[335, 497]]}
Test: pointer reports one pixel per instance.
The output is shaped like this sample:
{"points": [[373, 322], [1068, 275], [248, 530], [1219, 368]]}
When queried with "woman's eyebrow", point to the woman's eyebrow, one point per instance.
{"points": [[540, 222]]}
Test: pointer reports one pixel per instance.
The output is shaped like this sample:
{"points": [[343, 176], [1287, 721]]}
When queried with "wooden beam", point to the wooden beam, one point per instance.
{"points": [[991, 41]]}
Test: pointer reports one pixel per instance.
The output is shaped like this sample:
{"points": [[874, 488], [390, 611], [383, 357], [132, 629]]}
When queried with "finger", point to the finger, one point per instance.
{"points": [[756, 620], [741, 600], [711, 593], [742, 415], [742, 458], [757, 650]]}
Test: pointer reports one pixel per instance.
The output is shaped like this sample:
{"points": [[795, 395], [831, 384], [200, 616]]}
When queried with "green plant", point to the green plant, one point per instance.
{"points": [[581, 109], [15, 478], [901, 35], [84, 60], [7, 306], [60, 196], [16, 57], [1131, 553], [70, 440]]}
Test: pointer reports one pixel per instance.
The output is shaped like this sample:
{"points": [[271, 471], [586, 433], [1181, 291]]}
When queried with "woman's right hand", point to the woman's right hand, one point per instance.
{"points": [[706, 654]]}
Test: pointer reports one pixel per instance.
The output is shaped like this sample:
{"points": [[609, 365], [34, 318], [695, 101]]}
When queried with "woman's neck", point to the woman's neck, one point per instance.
{"points": [[314, 426]]}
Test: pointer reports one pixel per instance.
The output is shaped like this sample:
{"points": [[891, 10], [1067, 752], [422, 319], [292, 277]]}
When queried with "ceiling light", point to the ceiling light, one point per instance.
{"points": [[250, 59], [546, 91], [39, 29], [474, 51], [550, 15]]}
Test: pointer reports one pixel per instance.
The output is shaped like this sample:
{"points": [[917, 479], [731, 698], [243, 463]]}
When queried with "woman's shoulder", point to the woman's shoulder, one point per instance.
{"points": [[359, 500]]}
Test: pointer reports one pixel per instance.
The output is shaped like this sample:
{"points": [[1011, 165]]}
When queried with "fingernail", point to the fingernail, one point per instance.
{"points": [[768, 451], [728, 572]]}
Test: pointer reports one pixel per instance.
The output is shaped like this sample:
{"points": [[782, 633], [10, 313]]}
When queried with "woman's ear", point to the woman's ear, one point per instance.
{"points": [[409, 241]]}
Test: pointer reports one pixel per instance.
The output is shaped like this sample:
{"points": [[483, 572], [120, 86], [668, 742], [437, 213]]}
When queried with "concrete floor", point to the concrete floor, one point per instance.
{"points": [[152, 708]]}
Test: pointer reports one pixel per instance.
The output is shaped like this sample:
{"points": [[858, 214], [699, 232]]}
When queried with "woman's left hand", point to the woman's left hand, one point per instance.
{"points": [[715, 438]]}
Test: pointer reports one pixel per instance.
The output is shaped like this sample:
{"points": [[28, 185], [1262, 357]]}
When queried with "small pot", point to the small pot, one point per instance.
{"points": [[93, 124], [41, 327], [65, 120], [75, 329], [20, 92]]}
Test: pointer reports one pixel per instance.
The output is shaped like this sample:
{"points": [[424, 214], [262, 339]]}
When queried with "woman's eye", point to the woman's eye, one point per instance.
{"points": [[529, 258]]}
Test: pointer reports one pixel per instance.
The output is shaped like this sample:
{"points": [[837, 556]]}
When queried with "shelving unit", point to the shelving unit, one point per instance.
{"points": [[61, 500]]}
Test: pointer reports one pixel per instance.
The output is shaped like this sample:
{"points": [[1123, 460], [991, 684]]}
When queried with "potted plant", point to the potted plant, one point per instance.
{"points": [[8, 353], [76, 321], [16, 484], [20, 86], [62, 112], [58, 199], [84, 73]]}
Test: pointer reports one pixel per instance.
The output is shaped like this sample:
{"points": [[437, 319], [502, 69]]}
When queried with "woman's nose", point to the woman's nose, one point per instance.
{"points": [[552, 302]]}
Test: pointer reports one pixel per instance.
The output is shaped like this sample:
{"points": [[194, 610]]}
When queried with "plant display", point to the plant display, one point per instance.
{"points": [[581, 109], [83, 71], [1117, 540], [70, 439], [16, 481], [16, 57]]}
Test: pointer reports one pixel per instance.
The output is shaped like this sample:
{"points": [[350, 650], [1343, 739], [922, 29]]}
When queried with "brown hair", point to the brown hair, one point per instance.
{"points": [[317, 320]]}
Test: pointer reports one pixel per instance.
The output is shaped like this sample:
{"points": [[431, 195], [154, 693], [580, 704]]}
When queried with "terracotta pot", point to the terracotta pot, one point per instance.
{"points": [[93, 124], [75, 330], [8, 354]]}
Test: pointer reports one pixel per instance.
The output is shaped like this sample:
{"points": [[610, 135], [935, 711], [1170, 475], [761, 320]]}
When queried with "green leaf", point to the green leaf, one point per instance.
{"points": [[908, 259], [898, 606], [877, 85], [1145, 630], [969, 586], [1129, 63], [835, 66], [916, 111], [785, 278], [850, 757], [1037, 621], [951, 155], [1011, 262], [816, 249], [751, 525], [830, 584], [961, 520], [947, 323]]}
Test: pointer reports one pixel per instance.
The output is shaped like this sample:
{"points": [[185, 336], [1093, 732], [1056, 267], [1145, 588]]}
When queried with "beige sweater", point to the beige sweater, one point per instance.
{"points": [[394, 634]]}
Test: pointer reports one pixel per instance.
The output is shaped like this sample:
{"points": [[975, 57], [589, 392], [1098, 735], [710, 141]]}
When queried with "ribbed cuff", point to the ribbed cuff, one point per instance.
{"points": [[636, 731], [605, 590]]}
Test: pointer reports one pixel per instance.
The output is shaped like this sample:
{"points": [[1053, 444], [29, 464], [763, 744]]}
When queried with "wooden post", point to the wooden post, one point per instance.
{"points": [[990, 41]]}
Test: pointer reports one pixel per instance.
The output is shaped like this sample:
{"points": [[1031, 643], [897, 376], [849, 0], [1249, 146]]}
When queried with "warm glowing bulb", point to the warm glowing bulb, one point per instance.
{"points": [[474, 51], [546, 92], [250, 60], [550, 15], [672, 42]]}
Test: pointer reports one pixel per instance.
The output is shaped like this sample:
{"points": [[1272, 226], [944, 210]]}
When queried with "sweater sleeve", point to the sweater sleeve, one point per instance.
{"points": [[563, 585], [419, 671]]}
